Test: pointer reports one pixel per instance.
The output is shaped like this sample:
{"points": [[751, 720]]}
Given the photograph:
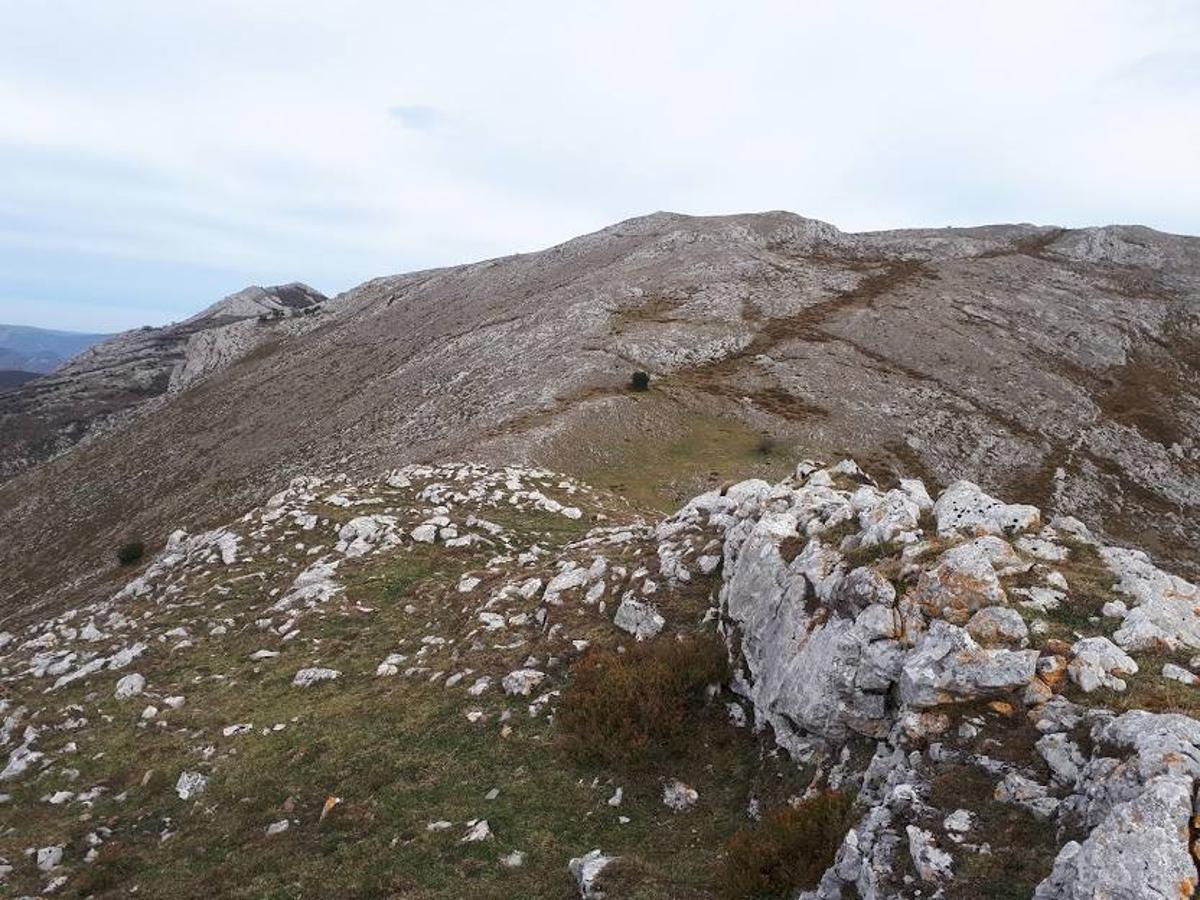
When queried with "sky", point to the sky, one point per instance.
{"points": [[156, 156]]}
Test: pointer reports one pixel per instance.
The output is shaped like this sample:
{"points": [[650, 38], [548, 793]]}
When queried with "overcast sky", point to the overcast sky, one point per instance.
{"points": [[155, 156]]}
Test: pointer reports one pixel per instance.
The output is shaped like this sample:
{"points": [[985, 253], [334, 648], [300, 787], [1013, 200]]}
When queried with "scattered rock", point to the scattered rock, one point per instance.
{"points": [[639, 619], [932, 863], [678, 796], [49, 858], [191, 784], [522, 681], [1097, 663], [477, 831], [586, 870], [309, 677], [129, 686], [1178, 673]]}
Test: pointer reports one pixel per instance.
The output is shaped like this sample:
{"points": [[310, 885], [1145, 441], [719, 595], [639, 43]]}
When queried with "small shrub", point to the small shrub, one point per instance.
{"points": [[130, 552], [766, 445], [630, 707], [639, 381], [788, 850]]}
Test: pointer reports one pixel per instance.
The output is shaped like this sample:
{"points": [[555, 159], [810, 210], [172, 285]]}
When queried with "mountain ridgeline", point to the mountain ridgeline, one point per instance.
{"points": [[421, 593], [1041, 362]]}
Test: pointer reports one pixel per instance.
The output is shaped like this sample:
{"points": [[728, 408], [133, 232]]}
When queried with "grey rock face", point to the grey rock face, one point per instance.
{"points": [[1135, 795], [1141, 849], [948, 666], [826, 650]]}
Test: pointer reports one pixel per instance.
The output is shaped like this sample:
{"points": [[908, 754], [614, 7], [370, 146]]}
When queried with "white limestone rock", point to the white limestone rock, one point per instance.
{"points": [[191, 784], [678, 796], [1140, 849], [314, 675], [129, 686], [932, 863], [522, 681], [49, 858], [1178, 673], [1025, 792], [998, 625], [1097, 662], [964, 507], [586, 870], [886, 518], [477, 831], [962, 582], [364, 534], [1165, 609], [640, 619], [947, 666]]}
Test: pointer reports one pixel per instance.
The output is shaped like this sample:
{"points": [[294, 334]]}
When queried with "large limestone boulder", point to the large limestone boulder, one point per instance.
{"points": [[949, 667], [964, 507], [962, 583]]}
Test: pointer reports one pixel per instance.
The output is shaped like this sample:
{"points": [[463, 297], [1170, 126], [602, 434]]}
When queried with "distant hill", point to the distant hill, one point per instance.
{"points": [[40, 349], [15, 377]]}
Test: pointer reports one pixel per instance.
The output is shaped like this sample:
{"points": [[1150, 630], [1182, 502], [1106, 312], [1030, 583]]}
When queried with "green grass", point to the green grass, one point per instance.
{"points": [[661, 471], [1023, 847], [398, 751]]}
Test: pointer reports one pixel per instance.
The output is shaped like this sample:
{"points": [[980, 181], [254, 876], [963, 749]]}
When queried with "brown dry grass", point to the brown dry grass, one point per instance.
{"points": [[634, 706], [789, 849]]}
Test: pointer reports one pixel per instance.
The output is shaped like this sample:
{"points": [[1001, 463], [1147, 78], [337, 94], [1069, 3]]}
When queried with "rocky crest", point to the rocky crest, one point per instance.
{"points": [[1054, 366], [989, 684], [113, 381]]}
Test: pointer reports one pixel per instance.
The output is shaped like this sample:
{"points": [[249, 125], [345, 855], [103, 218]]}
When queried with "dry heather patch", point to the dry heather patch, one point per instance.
{"points": [[626, 708], [788, 850]]}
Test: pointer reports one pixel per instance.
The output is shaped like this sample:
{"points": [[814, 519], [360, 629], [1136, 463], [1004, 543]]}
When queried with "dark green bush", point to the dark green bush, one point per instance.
{"points": [[766, 445], [130, 552], [788, 850], [640, 381], [630, 707]]}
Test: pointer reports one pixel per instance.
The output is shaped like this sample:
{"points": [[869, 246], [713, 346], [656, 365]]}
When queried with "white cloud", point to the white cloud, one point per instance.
{"points": [[269, 140]]}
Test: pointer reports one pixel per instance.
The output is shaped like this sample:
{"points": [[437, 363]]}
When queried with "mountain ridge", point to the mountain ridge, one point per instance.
{"points": [[415, 591], [514, 356]]}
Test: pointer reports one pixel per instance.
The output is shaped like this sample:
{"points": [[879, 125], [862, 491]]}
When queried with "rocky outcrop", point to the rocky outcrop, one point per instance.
{"points": [[112, 381], [831, 655], [465, 595]]}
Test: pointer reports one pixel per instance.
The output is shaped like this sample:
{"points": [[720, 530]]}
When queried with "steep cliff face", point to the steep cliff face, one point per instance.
{"points": [[1038, 362]]}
